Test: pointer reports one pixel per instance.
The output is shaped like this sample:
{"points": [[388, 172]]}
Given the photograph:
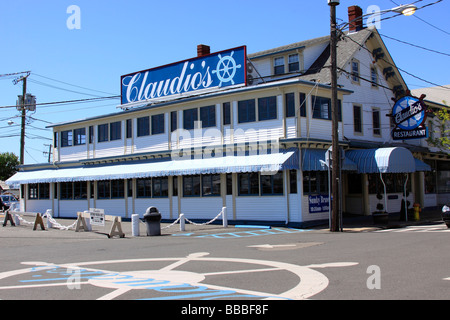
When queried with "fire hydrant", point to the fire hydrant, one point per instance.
{"points": [[417, 209]]}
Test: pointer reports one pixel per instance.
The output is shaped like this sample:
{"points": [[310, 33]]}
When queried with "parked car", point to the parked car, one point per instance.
{"points": [[8, 200]]}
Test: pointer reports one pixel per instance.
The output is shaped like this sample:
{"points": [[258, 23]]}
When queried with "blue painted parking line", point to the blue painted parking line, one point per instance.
{"points": [[245, 234]]}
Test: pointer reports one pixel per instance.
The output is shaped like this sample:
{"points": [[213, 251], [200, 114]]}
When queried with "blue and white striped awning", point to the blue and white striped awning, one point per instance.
{"points": [[386, 160], [229, 164], [314, 159]]}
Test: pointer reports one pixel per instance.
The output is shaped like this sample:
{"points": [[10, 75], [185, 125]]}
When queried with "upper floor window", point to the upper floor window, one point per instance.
{"points": [[226, 107], [143, 126], [278, 65], [66, 138], [189, 118], [103, 132], [115, 130], [355, 70], [129, 128], [158, 124], [374, 76], [267, 108], [322, 108], [79, 136], [357, 119], [208, 116], [294, 63], [246, 111], [376, 122]]}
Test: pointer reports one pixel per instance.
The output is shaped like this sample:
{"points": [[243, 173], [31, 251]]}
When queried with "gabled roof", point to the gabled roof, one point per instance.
{"points": [[289, 47], [347, 47]]}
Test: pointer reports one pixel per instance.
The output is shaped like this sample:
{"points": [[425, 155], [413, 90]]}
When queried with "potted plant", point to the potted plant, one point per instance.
{"points": [[380, 216]]}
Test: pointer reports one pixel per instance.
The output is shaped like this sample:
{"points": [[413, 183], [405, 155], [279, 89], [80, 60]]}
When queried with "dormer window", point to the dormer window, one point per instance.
{"points": [[294, 63], [278, 65]]}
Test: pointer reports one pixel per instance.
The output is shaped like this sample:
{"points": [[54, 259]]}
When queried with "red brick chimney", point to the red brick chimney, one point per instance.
{"points": [[355, 18], [203, 50]]}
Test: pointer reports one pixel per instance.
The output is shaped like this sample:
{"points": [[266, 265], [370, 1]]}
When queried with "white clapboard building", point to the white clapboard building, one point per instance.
{"points": [[244, 131]]}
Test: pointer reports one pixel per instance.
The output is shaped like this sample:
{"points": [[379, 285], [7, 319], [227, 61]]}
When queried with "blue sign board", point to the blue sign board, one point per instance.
{"points": [[409, 115], [206, 73], [318, 203]]}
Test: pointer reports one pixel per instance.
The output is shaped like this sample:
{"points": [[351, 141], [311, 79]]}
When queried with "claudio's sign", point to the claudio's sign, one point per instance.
{"points": [[206, 73], [409, 114]]}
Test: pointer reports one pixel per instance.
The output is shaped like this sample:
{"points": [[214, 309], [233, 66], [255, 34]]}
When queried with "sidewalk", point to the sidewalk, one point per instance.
{"points": [[365, 223]]}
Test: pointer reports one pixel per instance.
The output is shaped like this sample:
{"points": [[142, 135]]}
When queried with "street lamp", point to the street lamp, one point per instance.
{"points": [[336, 217]]}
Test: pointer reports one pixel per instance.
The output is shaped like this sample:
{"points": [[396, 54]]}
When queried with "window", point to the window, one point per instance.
{"points": [[66, 138], [355, 71], [248, 184], [104, 189], [315, 182], [289, 103], [173, 121], [294, 64], [143, 126], [33, 190], [79, 136], [246, 111], [129, 128], [322, 108], [229, 184], [278, 65], [376, 122], [160, 187], [211, 185], [272, 184], [117, 189], [357, 119], [103, 132], [144, 188], [267, 108], [302, 104], [191, 186], [158, 124], [189, 118], [66, 191], [374, 76], [208, 116], [293, 181], [91, 134], [115, 131], [226, 107], [79, 190]]}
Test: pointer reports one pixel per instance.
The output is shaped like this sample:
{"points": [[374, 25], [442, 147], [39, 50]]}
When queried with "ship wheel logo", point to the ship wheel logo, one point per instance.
{"points": [[226, 69]]}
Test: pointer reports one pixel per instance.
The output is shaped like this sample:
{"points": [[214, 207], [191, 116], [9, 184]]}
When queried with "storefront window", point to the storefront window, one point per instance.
{"points": [[443, 177], [315, 182], [191, 186], [394, 183]]}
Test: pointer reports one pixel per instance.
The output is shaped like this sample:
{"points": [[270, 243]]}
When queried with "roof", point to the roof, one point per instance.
{"points": [[320, 69], [438, 94], [289, 47]]}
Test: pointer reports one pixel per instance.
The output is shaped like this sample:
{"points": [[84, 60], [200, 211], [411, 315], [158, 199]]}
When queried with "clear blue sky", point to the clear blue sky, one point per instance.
{"points": [[119, 37]]}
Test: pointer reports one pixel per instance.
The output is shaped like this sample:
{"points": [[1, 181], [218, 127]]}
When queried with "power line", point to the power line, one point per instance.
{"points": [[73, 85], [67, 101], [414, 45]]}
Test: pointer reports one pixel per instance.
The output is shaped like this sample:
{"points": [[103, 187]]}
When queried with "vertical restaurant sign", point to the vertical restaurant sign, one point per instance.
{"points": [[210, 72], [409, 115]]}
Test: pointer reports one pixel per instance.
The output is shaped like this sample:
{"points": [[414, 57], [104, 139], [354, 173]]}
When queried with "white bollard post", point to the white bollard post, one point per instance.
{"points": [[224, 217], [48, 214], [135, 225], [182, 222]]}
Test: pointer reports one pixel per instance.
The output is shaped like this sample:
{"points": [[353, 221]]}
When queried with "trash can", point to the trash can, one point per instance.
{"points": [[153, 219]]}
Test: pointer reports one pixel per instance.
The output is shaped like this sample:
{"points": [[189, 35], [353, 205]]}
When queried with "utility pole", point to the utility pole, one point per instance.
{"points": [[23, 110], [335, 156]]}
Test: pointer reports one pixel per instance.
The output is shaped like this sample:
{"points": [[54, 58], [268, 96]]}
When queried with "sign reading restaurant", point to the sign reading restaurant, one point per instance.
{"points": [[206, 73], [409, 115]]}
